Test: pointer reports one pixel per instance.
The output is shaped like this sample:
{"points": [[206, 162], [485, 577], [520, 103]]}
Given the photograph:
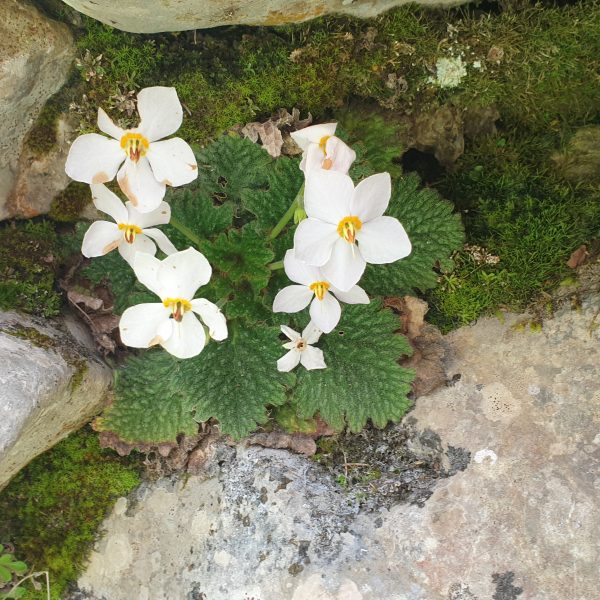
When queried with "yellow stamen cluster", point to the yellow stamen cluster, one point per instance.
{"points": [[135, 145], [130, 232], [348, 227], [178, 306], [319, 288], [327, 162]]}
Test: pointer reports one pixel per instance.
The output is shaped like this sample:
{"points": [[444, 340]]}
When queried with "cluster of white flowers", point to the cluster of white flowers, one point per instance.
{"points": [[344, 230], [341, 229]]}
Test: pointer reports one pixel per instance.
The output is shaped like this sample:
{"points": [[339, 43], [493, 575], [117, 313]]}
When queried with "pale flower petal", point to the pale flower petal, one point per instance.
{"points": [[145, 267], [94, 159], [292, 299], [290, 333], [325, 313], [158, 216], [311, 333], [355, 295], [163, 242], [289, 361], [182, 273], [160, 111], [140, 244], [173, 162], [371, 197], [345, 267], [383, 240], [101, 238], [137, 182], [313, 134], [312, 358], [312, 159], [139, 324], [188, 338], [314, 240], [212, 317], [298, 271], [340, 155], [106, 125], [327, 196], [109, 203]]}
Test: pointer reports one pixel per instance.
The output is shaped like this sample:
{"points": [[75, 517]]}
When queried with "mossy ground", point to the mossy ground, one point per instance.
{"points": [[51, 510]]}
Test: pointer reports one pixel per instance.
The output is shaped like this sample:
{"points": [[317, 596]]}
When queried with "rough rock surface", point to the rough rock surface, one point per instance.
{"points": [[519, 523], [580, 161], [180, 15], [51, 383], [35, 57]]}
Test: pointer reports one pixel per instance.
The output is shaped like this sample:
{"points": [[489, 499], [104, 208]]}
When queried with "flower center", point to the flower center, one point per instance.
{"points": [[319, 288], [327, 162], [301, 345], [135, 145], [348, 227], [130, 231], [178, 306]]}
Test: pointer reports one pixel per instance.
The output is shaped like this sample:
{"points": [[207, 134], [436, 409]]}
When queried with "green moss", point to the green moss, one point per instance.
{"points": [[27, 268], [31, 334], [42, 136], [68, 204], [52, 509]]}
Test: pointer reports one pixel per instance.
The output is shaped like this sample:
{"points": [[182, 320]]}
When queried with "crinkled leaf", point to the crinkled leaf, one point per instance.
{"points": [[157, 396], [363, 379], [434, 231]]}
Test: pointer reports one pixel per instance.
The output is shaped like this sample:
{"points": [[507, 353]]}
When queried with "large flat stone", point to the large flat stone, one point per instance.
{"points": [[519, 523]]}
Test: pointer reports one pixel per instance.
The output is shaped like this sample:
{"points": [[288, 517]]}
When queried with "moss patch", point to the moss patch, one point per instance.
{"points": [[52, 509], [68, 204]]}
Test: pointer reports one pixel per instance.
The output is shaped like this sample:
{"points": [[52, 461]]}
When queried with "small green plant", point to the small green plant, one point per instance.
{"points": [[11, 570]]}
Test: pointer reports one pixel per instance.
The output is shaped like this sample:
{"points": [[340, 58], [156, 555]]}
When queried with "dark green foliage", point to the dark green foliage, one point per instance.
{"points": [[52, 509], [27, 268], [363, 379], [435, 232], [232, 381]]}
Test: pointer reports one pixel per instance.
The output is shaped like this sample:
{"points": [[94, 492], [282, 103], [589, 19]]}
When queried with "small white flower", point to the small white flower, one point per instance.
{"points": [[450, 71], [172, 323], [322, 149], [325, 309], [131, 231], [147, 166], [300, 349], [346, 229]]}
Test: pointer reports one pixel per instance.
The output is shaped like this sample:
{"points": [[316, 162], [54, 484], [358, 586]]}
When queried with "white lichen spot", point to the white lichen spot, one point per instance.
{"points": [[534, 390], [450, 71], [485, 454], [477, 64]]}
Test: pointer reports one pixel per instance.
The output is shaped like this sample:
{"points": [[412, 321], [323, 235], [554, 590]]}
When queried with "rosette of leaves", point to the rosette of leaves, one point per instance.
{"points": [[228, 214]]}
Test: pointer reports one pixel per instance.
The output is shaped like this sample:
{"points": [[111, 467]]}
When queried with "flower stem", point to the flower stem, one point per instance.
{"points": [[274, 266], [186, 231], [287, 217]]}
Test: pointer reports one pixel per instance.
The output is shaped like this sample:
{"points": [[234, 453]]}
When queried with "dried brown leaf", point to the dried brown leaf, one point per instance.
{"points": [[296, 442], [578, 257]]}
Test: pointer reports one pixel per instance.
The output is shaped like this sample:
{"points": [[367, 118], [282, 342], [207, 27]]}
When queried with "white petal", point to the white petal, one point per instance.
{"points": [[173, 162], [313, 241], [109, 203], [182, 273], [312, 358], [312, 159], [292, 299], [383, 240], [140, 244], [163, 242], [327, 196], [188, 338], [145, 267], [326, 313], [345, 267], [355, 295], [160, 111], [94, 158], [101, 238], [298, 271], [311, 333], [371, 197], [313, 134], [212, 317], [158, 216], [137, 182], [289, 361], [139, 324], [290, 333], [340, 155], [106, 125]]}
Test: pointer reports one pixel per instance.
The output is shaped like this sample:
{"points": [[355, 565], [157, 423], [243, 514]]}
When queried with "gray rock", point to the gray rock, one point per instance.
{"points": [[519, 522], [35, 57], [51, 383], [180, 15]]}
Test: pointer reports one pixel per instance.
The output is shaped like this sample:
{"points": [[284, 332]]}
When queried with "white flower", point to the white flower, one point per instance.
{"points": [[131, 231], [322, 149], [325, 310], [450, 71], [341, 216], [172, 323], [147, 165], [300, 349]]}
